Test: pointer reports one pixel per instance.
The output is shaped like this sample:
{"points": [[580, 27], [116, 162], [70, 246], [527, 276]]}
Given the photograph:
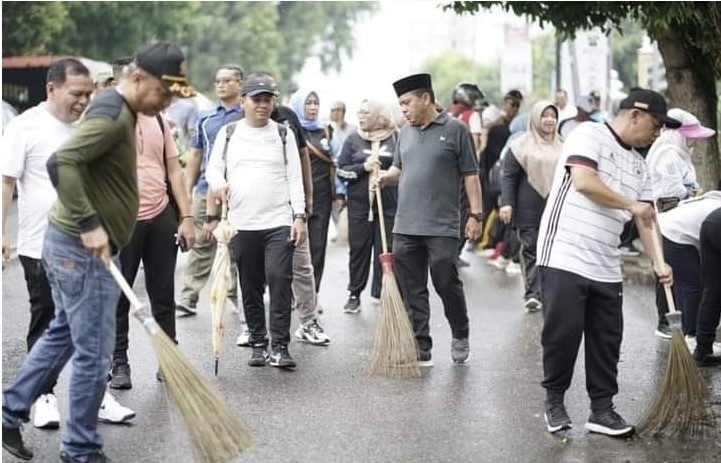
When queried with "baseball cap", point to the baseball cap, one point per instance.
{"points": [[652, 103], [166, 61], [690, 125], [255, 85], [101, 77]]}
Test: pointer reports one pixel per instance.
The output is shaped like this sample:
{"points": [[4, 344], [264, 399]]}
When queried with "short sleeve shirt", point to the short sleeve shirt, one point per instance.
{"points": [[207, 129], [433, 161], [576, 234], [28, 142]]}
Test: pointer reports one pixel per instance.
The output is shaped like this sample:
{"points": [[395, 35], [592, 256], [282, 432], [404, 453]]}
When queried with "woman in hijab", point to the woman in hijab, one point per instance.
{"points": [[370, 148], [305, 103], [528, 171]]}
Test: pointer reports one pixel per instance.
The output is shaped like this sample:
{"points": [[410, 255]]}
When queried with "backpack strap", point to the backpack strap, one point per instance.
{"points": [[283, 132], [229, 129]]}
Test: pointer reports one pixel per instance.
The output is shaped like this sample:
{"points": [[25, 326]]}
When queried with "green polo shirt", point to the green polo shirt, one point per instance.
{"points": [[95, 172], [433, 161]]}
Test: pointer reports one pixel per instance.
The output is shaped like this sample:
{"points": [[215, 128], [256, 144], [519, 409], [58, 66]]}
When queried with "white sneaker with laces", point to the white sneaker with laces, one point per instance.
{"points": [[513, 268], [244, 337], [313, 333], [46, 415], [112, 412]]}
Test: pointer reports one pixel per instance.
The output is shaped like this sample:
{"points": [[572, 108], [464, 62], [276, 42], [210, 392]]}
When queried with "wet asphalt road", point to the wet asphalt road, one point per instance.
{"points": [[328, 410]]}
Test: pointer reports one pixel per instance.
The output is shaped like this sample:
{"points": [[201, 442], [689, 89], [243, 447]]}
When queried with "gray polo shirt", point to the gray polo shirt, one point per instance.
{"points": [[433, 161]]}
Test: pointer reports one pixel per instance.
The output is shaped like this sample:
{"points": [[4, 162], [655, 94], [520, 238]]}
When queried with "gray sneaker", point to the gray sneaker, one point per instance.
{"points": [[556, 417], [460, 350]]}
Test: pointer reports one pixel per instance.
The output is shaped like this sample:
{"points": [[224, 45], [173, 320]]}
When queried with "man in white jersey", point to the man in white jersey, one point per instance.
{"points": [[28, 142], [601, 182]]}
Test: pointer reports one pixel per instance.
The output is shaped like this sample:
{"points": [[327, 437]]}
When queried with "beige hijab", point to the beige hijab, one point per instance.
{"points": [[381, 123], [536, 154]]}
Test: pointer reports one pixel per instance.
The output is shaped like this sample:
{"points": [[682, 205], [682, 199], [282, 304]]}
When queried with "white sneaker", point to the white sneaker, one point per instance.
{"points": [[691, 343], [112, 412], [513, 268], [485, 252], [499, 262], [244, 337], [46, 413], [313, 333]]}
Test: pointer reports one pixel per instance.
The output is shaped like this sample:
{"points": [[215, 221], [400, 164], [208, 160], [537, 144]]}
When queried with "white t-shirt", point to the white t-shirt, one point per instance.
{"points": [[474, 123], [577, 234], [264, 192], [28, 141], [682, 224]]}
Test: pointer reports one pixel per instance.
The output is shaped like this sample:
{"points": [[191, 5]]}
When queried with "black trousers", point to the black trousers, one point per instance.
{"points": [[575, 307], [527, 238], [364, 239], [318, 235], [414, 255], [709, 312], [153, 243], [266, 255], [42, 309]]}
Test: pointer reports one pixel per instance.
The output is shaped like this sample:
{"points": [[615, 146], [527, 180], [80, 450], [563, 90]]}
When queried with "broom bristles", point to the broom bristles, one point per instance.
{"points": [[680, 408], [395, 352], [216, 434]]}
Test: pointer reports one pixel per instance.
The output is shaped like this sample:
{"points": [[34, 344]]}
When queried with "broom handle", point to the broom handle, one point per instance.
{"points": [[659, 258], [379, 201], [127, 290]]}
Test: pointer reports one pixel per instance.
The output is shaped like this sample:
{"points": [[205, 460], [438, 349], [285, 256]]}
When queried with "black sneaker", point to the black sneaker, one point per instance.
{"points": [[353, 305], [185, 310], [97, 457], [663, 331], [120, 376], [281, 358], [13, 443], [556, 417], [705, 357], [610, 423], [425, 359], [258, 356]]}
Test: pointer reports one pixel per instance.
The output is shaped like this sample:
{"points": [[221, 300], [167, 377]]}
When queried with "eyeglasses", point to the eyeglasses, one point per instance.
{"points": [[225, 81]]}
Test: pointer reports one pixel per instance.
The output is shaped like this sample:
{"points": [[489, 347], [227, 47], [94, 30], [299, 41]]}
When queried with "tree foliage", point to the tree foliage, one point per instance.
{"points": [[273, 36], [688, 35], [699, 23], [450, 69]]}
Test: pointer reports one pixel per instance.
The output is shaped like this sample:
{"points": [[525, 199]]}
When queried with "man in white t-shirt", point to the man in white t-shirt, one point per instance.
{"points": [[28, 142], [259, 172], [601, 182]]}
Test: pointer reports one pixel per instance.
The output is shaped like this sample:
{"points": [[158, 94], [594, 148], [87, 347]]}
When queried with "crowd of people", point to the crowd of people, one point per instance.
{"points": [[545, 193]]}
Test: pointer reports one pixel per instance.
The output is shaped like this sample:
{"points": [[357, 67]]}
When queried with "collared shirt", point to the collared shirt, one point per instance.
{"points": [[207, 129], [433, 159]]}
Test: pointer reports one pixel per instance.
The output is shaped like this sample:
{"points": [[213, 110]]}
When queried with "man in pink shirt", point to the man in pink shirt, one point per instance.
{"points": [[158, 232]]}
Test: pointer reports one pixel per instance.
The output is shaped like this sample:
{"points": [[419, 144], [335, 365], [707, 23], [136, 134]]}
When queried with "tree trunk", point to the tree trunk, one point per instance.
{"points": [[692, 87]]}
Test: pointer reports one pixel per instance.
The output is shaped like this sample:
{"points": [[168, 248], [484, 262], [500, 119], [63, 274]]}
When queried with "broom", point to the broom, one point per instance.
{"points": [[395, 352], [680, 406], [216, 435]]}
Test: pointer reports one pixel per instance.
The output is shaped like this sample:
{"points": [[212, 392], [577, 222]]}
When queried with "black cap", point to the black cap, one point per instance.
{"points": [[166, 62], [255, 85], [413, 82], [652, 103]]}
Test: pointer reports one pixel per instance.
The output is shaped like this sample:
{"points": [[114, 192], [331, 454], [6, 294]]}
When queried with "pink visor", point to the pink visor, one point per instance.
{"points": [[696, 131]]}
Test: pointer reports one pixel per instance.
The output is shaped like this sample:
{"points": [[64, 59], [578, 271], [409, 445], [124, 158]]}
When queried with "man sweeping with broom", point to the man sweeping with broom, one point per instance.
{"points": [[95, 175], [433, 156], [601, 182]]}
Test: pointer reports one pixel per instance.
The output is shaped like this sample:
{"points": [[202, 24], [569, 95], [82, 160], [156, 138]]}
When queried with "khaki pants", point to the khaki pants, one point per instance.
{"points": [[200, 261], [304, 296]]}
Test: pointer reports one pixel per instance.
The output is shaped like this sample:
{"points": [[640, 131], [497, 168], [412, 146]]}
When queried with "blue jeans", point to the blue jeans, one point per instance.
{"points": [[85, 296]]}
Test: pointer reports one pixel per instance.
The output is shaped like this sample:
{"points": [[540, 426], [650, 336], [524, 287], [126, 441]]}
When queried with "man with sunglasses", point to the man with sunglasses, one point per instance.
{"points": [[228, 80]]}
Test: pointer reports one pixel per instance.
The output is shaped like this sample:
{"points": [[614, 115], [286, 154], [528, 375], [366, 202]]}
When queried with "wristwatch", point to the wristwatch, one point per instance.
{"points": [[211, 218], [300, 216], [476, 215]]}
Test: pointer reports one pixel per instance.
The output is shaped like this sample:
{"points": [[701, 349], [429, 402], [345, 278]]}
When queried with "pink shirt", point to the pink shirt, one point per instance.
{"points": [[152, 185]]}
